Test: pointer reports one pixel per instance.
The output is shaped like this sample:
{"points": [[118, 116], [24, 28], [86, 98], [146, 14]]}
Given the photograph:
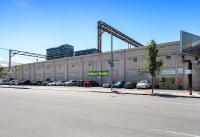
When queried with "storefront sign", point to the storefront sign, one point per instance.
{"points": [[98, 73], [180, 71], [188, 71], [168, 71]]}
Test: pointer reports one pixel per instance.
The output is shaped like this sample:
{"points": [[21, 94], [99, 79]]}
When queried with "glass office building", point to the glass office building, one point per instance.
{"points": [[85, 52], [60, 52]]}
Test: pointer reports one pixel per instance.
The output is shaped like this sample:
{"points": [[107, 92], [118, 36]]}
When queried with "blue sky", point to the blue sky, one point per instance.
{"points": [[34, 25]]}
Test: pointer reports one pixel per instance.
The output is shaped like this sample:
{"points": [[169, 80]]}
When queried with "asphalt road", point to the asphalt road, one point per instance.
{"points": [[50, 113]]}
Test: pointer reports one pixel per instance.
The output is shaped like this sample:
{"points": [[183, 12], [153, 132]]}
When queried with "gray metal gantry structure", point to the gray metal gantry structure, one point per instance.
{"points": [[17, 52], [103, 27]]}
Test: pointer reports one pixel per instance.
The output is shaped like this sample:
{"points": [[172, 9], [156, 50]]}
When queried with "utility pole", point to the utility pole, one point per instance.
{"points": [[112, 63], [9, 65], [190, 77]]}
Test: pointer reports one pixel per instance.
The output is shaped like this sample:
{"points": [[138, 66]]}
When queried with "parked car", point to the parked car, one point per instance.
{"points": [[25, 82], [13, 82], [46, 82], [3, 82], [33, 82], [130, 85], [37, 83], [118, 84], [60, 83], [70, 83], [53, 83], [80, 83], [91, 83], [107, 84], [144, 84]]}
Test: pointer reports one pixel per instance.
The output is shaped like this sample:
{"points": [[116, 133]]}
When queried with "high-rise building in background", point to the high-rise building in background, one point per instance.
{"points": [[60, 52]]}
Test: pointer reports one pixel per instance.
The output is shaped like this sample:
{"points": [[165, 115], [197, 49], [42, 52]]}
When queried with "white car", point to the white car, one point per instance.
{"points": [[144, 84]]}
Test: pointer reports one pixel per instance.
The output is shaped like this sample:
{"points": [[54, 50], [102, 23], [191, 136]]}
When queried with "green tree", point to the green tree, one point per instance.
{"points": [[153, 65], [1, 72]]}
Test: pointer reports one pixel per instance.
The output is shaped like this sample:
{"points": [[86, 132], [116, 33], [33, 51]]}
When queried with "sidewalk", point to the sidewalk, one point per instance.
{"points": [[157, 92]]}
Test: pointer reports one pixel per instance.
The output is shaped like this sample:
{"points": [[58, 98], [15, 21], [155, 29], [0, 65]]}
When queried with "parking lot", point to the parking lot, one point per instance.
{"points": [[73, 112]]}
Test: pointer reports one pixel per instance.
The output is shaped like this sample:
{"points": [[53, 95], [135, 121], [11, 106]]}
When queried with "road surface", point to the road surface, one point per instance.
{"points": [[51, 113]]}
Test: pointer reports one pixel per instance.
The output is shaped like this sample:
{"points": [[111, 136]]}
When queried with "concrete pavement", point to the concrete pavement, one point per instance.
{"points": [[157, 92], [52, 112]]}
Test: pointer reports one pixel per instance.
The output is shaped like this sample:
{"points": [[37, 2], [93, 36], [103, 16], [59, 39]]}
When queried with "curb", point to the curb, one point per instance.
{"points": [[15, 87], [125, 93]]}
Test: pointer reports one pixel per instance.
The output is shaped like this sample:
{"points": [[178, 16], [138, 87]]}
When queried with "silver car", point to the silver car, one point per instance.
{"points": [[143, 84], [70, 83], [14, 82], [107, 84], [60, 83], [51, 83]]}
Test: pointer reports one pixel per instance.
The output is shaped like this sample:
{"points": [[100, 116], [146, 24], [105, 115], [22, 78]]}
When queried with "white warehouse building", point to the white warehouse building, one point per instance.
{"points": [[128, 67]]}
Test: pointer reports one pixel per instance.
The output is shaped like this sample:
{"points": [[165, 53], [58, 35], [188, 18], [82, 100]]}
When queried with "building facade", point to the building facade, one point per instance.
{"points": [[85, 52], [129, 66], [60, 52]]}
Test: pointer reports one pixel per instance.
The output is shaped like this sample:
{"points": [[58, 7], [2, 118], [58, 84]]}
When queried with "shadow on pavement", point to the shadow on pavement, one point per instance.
{"points": [[149, 94]]}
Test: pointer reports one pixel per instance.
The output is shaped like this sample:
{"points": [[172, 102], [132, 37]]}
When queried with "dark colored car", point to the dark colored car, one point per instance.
{"points": [[91, 83], [38, 83], [130, 85], [25, 82], [119, 84], [80, 83]]}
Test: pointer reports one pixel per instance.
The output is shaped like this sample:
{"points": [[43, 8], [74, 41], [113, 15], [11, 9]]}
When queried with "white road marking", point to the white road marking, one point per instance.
{"points": [[177, 133], [176, 103]]}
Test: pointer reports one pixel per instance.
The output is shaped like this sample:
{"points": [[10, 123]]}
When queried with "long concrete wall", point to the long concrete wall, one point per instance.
{"points": [[129, 63]]}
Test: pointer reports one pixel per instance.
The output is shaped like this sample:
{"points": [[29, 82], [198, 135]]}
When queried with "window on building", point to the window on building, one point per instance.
{"points": [[135, 59], [168, 57]]}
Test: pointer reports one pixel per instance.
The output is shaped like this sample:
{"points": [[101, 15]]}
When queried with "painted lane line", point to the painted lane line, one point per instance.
{"points": [[177, 133]]}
